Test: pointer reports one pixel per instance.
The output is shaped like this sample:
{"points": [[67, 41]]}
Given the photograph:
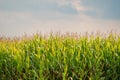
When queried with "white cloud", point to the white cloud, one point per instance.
{"points": [[14, 23], [76, 4]]}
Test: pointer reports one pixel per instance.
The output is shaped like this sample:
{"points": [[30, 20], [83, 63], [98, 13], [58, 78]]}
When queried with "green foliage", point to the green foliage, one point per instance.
{"points": [[60, 57]]}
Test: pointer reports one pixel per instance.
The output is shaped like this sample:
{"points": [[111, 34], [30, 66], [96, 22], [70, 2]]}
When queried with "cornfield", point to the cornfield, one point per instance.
{"points": [[60, 57]]}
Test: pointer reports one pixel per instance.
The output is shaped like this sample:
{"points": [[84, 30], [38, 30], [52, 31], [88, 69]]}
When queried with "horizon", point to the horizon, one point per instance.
{"points": [[31, 16]]}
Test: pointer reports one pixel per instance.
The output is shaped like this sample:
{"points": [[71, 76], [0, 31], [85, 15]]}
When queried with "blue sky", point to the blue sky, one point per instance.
{"points": [[29, 16]]}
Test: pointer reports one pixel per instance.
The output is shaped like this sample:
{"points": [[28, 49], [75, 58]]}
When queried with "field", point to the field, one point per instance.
{"points": [[60, 57]]}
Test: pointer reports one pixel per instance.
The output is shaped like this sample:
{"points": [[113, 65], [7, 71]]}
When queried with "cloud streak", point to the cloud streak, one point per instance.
{"points": [[76, 4]]}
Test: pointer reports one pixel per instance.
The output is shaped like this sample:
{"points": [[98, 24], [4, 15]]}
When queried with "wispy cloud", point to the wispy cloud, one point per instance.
{"points": [[76, 4]]}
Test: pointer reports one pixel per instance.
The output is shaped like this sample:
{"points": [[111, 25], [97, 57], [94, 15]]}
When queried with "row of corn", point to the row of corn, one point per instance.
{"points": [[58, 57]]}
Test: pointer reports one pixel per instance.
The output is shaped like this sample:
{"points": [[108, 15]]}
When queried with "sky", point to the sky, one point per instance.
{"points": [[19, 17]]}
